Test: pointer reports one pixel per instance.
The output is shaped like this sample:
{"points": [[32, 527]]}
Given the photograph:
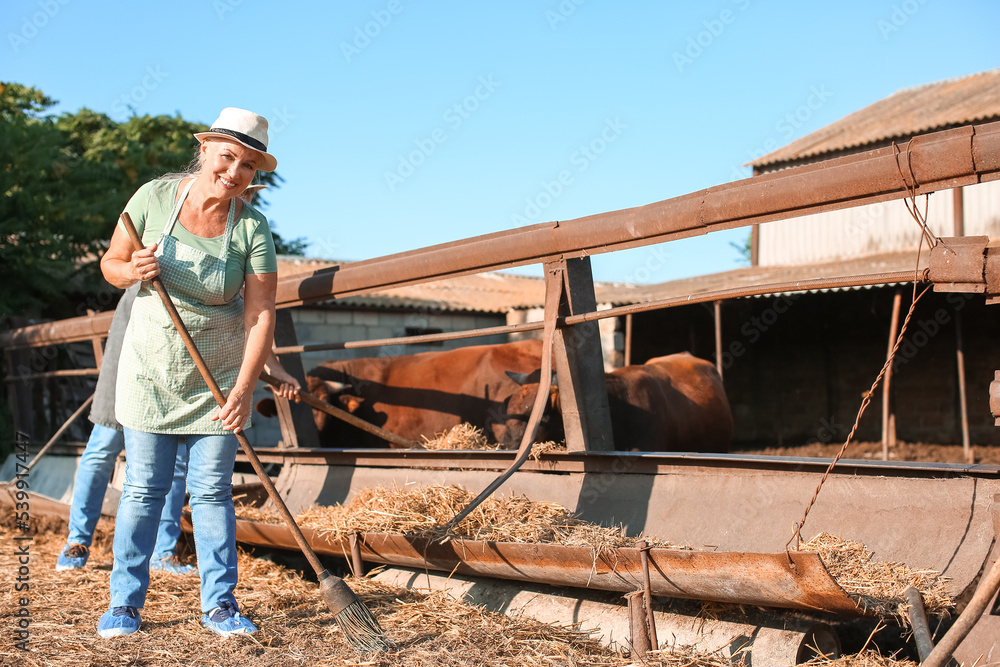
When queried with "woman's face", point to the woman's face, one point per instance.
{"points": [[229, 166]]}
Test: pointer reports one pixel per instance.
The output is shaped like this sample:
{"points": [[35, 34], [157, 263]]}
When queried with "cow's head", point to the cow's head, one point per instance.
{"points": [[517, 412]]}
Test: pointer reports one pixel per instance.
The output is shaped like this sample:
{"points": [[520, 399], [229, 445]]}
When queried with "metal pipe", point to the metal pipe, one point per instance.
{"points": [[888, 430], [357, 565], [55, 436], [917, 615], [71, 372], [627, 361], [927, 163], [647, 591], [718, 335], [963, 403]]}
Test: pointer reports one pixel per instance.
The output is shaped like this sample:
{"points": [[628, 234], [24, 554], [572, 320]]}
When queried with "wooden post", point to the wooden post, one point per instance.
{"points": [[718, 336], [963, 404], [579, 361], [754, 244], [298, 429], [888, 420]]}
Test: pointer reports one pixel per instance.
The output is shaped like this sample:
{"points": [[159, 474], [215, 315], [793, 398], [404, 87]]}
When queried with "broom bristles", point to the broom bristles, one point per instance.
{"points": [[361, 629]]}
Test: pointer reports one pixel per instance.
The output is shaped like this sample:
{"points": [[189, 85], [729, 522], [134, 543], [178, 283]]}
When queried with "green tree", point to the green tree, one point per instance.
{"points": [[64, 180]]}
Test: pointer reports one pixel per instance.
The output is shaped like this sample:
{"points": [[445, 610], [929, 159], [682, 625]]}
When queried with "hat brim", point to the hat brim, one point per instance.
{"points": [[268, 161]]}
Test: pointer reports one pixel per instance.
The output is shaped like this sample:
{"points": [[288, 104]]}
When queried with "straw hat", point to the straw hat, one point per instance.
{"points": [[244, 127]]}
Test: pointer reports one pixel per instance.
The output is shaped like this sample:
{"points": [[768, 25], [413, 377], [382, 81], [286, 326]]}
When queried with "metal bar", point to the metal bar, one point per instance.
{"points": [[917, 615], [734, 577], [717, 309], [647, 591], [888, 430], [627, 361], [958, 209], [55, 436], [927, 163], [73, 372], [553, 296], [357, 564], [55, 333], [962, 400]]}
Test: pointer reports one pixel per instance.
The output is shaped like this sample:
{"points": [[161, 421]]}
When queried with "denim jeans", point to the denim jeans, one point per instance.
{"points": [[92, 476], [149, 465]]}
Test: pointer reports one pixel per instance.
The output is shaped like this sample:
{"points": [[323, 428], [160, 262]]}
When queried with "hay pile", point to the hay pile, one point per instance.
{"points": [[467, 436], [878, 586], [423, 511]]}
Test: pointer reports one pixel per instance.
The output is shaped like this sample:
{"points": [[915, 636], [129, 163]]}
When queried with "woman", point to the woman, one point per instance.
{"points": [[205, 243]]}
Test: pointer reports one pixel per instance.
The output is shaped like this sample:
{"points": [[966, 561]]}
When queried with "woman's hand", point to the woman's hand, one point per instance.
{"points": [[144, 265], [289, 388], [235, 413]]}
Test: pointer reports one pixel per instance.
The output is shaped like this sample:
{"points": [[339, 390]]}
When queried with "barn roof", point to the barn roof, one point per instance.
{"points": [[763, 275], [501, 292], [486, 292], [930, 107]]}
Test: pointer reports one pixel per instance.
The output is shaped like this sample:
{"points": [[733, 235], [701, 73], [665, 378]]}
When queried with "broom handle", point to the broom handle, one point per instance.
{"points": [[199, 361]]}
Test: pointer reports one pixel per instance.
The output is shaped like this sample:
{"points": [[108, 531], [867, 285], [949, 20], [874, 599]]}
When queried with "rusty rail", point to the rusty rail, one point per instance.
{"points": [[728, 577]]}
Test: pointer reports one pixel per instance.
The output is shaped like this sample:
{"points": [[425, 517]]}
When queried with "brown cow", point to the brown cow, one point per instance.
{"points": [[417, 395], [672, 403]]}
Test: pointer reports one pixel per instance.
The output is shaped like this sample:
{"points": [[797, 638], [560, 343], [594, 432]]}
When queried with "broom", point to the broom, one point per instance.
{"points": [[356, 621]]}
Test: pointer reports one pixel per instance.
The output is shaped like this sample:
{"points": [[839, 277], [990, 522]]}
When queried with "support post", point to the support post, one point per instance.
{"points": [[718, 335], [579, 361], [962, 401], [958, 219], [888, 420], [628, 340], [298, 429]]}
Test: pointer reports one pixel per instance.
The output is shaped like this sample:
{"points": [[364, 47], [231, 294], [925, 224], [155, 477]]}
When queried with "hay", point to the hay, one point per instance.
{"points": [[878, 586], [862, 659], [296, 628], [467, 436], [423, 511]]}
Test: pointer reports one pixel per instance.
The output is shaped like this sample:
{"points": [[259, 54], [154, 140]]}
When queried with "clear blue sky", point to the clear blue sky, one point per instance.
{"points": [[399, 124]]}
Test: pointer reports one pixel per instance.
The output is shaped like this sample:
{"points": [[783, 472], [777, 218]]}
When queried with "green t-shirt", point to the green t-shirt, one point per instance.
{"points": [[251, 248]]}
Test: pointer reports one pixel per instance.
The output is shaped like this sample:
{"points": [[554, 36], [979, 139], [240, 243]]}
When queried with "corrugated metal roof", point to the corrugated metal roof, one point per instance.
{"points": [[486, 292], [908, 112], [762, 275]]}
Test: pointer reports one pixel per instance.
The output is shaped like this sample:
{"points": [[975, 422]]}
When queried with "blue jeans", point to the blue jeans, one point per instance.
{"points": [[92, 476], [149, 463]]}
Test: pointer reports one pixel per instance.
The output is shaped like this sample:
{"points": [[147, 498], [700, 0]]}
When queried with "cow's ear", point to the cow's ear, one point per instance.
{"points": [[266, 407], [554, 397], [351, 403]]}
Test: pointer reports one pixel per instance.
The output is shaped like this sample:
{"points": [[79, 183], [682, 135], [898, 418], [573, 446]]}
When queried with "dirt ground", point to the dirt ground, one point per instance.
{"points": [[902, 451]]}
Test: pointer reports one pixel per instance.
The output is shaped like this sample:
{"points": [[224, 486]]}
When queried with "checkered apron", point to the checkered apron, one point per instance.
{"points": [[159, 389]]}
